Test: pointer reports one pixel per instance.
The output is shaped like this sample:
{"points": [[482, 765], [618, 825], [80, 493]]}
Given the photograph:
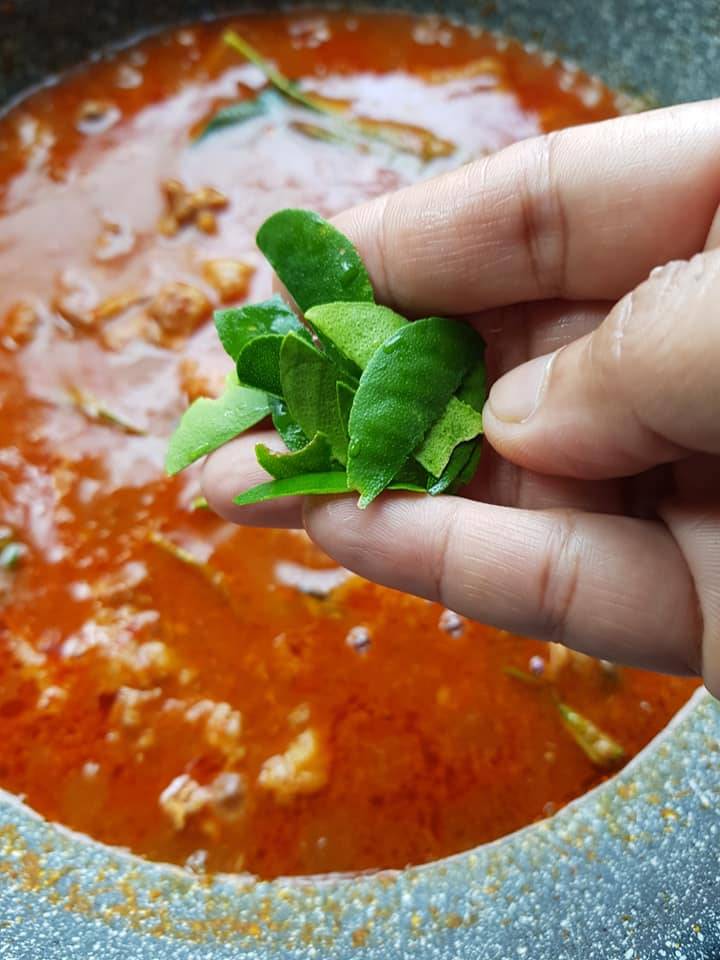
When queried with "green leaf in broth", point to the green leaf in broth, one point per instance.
{"points": [[600, 748], [276, 78], [11, 553], [258, 364], [96, 411], [233, 114], [459, 422], [209, 423], [403, 137], [315, 457], [309, 386], [333, 481], [523, 676], [354, 330], [238, 325], [316, 262], [294, 437], [403, 390]]}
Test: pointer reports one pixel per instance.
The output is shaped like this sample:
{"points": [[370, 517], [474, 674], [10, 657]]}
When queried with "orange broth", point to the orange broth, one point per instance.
{"points": [[205, 708]]}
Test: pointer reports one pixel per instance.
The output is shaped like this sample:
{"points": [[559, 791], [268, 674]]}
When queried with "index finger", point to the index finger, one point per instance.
{"points": [[566, 575], [583, 213]]}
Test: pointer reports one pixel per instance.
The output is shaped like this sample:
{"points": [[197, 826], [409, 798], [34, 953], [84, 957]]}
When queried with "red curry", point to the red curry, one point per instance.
{"points": [[214, 696]]}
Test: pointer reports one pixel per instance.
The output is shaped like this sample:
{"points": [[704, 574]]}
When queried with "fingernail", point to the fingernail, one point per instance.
{"points": [[516, 396]]}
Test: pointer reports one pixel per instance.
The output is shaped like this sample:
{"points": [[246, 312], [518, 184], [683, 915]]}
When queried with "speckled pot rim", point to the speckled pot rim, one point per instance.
{"points": [[604, 870]]}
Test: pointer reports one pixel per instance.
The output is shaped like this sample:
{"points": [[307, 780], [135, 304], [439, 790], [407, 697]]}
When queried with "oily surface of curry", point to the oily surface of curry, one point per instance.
{"points": [[214, 696]]}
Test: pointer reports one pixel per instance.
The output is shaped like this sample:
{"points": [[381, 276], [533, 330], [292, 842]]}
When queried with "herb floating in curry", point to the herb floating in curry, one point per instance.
{"points": [[364, 400], [339, 125], [597, 745]]}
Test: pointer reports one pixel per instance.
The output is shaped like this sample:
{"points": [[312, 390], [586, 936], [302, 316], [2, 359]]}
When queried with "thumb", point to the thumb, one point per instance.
{"points": [[641, 390]]}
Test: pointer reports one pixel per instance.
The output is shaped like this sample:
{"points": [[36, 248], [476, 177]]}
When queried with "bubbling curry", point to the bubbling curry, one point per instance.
{"points": [[223, 698]]}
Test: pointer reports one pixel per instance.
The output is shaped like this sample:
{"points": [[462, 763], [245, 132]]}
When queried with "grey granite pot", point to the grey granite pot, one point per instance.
{"points": [[630, 871]]}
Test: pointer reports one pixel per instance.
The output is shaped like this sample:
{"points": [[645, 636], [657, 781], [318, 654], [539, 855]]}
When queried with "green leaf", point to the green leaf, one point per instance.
{"points": [[334, 481], [208, 424], [523, 676], [291, 432], [404, 389], [461, 465], [315, 261], [600, 748], [277, 79], [214, 577], [406, 487], [345, 397], [258, 364], [309, 381], [473, 389], [239, 325], [354, 330], [459, 422], [96, 412], [465, 475], [315, 457], [236, 113], [412, 473], [10, 555]]}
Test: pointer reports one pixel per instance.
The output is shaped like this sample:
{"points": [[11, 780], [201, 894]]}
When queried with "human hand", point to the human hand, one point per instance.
{"points": [[595, 518]]}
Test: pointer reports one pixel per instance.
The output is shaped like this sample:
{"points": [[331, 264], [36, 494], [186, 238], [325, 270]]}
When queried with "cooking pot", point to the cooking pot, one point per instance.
{"points": [[630, 871]]}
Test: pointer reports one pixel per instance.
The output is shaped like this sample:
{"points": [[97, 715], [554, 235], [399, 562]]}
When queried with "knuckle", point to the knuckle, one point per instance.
{"points": [[660, 342], [443, 572], [667, 310], [559, 575], [544, 221]]}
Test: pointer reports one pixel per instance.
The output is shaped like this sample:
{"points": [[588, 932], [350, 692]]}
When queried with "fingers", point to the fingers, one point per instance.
{"points": [[698, 534], [583, 213], [525, 330], [233, 469], [502, 483], [642, 389], [587, 580]]}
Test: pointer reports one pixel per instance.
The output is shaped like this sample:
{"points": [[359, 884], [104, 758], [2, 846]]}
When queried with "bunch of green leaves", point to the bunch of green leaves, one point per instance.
{"points": [[363, 399], [337, 124]]}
